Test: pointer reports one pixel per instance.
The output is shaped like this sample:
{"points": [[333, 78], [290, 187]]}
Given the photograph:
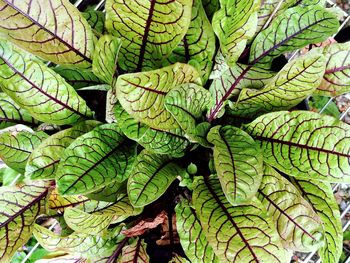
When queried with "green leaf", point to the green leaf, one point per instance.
{"points": [[243, 233], [198, 45], [238, 163], [192, 237], [11, 114], [135, 252], [97, 222], [234, 24], [142, 94], [8, 175], [16, 146], [43, 161], [186, 103], [336, 78], [77, 77], [96, 19], [150, 177], [53, 30], [87, 246], [19, 208], [268, 7], [211, 6], [297, 80], [230, 83], [320, 196], [38, 89], [304, 144], [317, 103], [94, 160], [172, 142], [297, 224], [109, 193], [149, 30], [293, 29], [104, 64]]}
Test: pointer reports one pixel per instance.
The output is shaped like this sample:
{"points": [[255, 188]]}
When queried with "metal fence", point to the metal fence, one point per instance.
{"points": [[311, 257]]}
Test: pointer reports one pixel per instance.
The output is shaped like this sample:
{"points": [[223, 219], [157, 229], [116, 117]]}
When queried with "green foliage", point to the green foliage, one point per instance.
{"points": [[195, 124]]}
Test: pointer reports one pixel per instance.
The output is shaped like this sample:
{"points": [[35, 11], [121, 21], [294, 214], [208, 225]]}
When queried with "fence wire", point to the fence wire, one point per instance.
{"points": [[311, 257]]}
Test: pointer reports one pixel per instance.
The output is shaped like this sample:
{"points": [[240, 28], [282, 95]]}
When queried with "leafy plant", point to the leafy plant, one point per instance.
{"points": [[197, 154]]}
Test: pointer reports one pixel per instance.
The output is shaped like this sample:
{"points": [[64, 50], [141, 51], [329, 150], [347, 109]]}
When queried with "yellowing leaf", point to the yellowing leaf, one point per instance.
{"points": [[20, 206]]}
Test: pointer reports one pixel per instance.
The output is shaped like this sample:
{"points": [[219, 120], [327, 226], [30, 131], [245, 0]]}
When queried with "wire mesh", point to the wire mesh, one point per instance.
{"points": [[308, 258]]}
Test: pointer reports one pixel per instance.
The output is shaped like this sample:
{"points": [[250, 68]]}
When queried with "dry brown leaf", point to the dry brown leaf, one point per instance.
{"points": [[145, 225]]}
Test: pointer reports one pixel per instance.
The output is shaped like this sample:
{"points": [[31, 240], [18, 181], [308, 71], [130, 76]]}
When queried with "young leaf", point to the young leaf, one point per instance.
{"points": [[320, 196], [336, 80], [191, 235], [142, 94], [291, 142], [77, 77], [255, 78], [38, 89], [293, 29], [234, 24], [97, 222], [104, 64], [150, 177], [16, 146], [11, 114], [86, 246], [198, 45], [297, 80], [149, 30], [52, 29], [94, 160], [20, 206], [186, 103], [172, 142], [43, 161], [297, 224], [8, 175], [135, 253], [232, 231], [238, 163], [109, 193], [96, 19]]}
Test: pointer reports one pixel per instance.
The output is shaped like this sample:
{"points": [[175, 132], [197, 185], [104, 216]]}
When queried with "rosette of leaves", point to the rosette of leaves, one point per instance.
{"points": [[199, 153]]}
